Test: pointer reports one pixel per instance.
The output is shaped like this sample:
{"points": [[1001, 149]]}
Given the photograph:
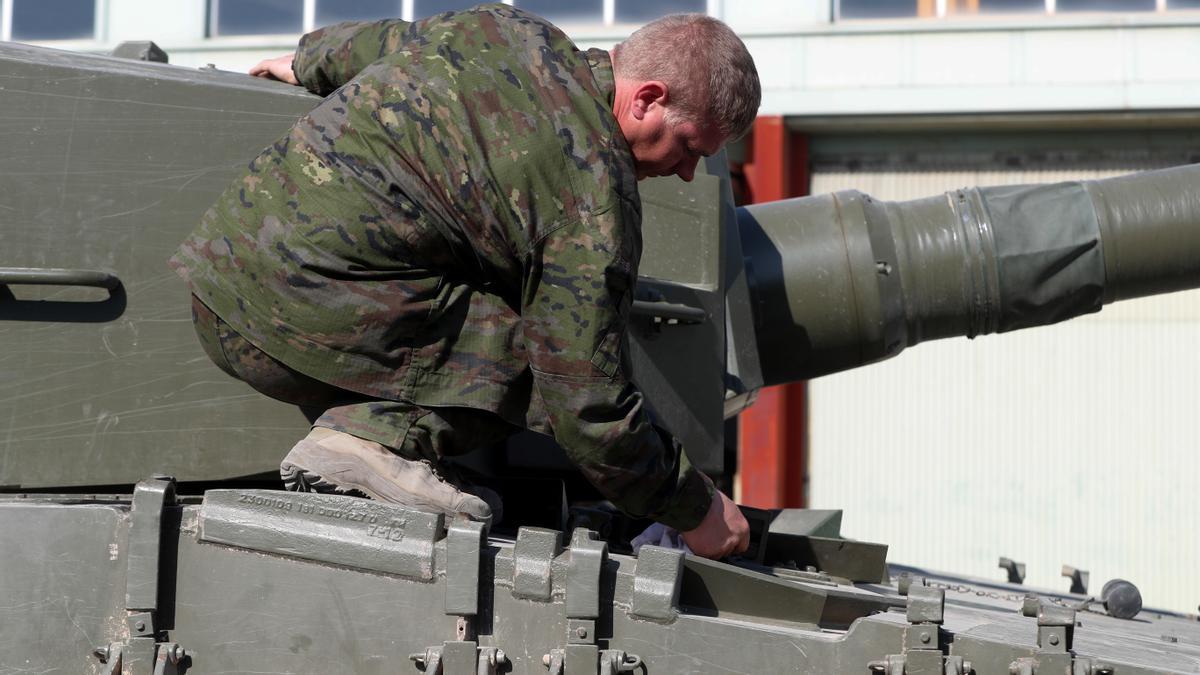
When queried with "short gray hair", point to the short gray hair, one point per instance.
{"points": [[709, 73]]}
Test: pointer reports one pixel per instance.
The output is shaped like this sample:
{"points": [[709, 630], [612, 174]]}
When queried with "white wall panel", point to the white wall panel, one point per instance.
{"points": [[1075, 57], [164, 22], [853, 62], [775, 15], [779, 65], [940, 60], [1070, 444], [1161, 51]]}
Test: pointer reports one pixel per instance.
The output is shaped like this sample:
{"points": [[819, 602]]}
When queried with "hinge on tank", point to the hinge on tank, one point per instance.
{"points": [[1055, 633], [463, 655], [923, 653], [582, 654], [147, 650]]}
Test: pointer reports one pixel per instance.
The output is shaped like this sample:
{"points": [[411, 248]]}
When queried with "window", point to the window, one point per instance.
{"points": [[266, 17], [1106, 6], [631, 11], [892, 9], [1004, 6], [566, 11], [424, 8], [36, 20], [333, 11], [256, 17], [880, 9]]}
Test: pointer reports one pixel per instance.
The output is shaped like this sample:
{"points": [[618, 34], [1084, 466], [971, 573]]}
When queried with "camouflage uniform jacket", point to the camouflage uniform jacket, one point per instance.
{"points": [[457, 223]]}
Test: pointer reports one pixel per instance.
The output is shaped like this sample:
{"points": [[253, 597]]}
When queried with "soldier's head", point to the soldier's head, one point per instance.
{"points": [[685, 85]]}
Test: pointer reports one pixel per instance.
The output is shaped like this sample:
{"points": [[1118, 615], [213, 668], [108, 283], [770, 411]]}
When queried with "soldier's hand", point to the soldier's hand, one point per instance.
{"points": [[278, 68], [723, 531]]}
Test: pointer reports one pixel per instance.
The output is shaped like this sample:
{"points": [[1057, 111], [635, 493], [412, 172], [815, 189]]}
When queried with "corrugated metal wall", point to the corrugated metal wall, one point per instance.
{"points": [[1074, 444]]}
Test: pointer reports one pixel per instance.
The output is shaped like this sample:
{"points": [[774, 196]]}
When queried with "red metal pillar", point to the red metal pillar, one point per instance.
{"points": [[772, 440]]}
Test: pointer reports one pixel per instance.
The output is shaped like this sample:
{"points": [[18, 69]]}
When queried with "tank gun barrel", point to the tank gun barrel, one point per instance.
{"points": [[842, 280]]}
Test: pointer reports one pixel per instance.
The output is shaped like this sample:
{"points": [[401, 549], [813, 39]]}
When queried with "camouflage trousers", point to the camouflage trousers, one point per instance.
{"points": [[413, 431]]}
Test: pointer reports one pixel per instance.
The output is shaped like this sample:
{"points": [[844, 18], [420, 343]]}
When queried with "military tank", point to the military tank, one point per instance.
{"points": [[142, 524]]}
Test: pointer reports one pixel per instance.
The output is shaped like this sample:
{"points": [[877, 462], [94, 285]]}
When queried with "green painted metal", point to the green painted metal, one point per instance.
{"points": [[111, 162], [103, 383], [843, 280], [247, 606], [104, 386]]}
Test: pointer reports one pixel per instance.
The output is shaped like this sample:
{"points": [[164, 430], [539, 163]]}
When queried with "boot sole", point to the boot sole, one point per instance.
{"points": [[299, 478]]}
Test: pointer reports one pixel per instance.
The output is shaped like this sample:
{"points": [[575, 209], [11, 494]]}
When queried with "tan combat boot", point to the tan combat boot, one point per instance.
{"points": [[335, 462]]}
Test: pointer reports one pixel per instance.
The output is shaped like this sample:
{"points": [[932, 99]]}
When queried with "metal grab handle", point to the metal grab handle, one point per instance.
{"points": [[669, 311], [49, 276]]}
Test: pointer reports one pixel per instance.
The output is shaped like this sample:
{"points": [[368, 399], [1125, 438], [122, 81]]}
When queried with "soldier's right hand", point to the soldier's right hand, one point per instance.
{"points": [[278, 68], [723, 531]]}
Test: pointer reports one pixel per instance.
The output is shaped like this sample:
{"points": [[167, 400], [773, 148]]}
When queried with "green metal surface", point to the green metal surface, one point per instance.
{"points": [[842, 280], [120, 158], [62, 576], [244, 609], [680, 366], [111, 162], [368, 534]]}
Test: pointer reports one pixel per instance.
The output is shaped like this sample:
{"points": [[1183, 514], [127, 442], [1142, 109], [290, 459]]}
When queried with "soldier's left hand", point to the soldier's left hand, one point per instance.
{"points": [[278, 68]]}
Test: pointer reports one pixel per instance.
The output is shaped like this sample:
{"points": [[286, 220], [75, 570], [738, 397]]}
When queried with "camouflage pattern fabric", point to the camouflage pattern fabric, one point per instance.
{"points": [[412, 431], [457, 224]]}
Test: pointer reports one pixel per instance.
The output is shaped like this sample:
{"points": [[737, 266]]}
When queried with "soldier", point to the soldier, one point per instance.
{"points": [[444, 251]]}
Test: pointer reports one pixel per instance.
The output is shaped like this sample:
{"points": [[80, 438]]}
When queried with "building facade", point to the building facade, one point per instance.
{"points": [[1069, 445]]}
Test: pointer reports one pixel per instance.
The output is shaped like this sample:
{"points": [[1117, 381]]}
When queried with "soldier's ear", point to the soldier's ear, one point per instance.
{"points": [[647, 95]]}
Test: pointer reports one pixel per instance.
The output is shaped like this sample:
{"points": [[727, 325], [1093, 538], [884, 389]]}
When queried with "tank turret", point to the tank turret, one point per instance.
{"points": [[729, 300]]}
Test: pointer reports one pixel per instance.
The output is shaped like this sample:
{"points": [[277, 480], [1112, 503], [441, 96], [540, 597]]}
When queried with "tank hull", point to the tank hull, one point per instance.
{"points": [[262, 581]]}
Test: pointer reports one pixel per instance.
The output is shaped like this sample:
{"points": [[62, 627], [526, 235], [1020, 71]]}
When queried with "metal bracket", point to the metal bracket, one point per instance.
{"points": [[657, 580], [110, 656], [1079, 579], [1055, 634], [650, 304], [585, 561], [923, 653], [429, 660], [1015, 570], [533, 563], [465, 544], [906, 581], [612, 662], [143, 653], [460, 657], [140, 51], [150, 497], [167, 658], [585, 574], [455, 658], [490, 660], [584, 569], [669, 313]]}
